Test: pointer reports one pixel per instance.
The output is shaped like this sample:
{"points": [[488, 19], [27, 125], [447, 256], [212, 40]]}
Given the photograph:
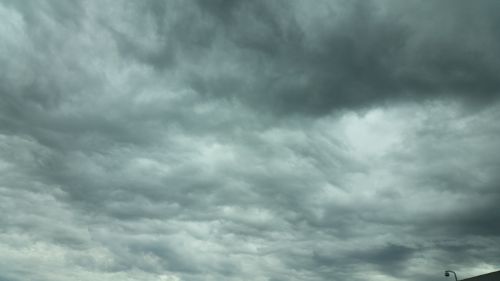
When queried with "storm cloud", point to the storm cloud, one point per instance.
{"points": [[248, 140]]}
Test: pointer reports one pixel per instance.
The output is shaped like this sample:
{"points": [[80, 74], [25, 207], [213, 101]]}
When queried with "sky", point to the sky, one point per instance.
{"points": [[264, 140]]}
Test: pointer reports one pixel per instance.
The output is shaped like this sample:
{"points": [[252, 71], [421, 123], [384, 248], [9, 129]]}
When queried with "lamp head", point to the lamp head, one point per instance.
{"points": [[446, 273]]}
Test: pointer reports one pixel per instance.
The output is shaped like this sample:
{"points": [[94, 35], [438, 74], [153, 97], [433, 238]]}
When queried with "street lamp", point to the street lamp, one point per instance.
{"points": [[447, 274]]}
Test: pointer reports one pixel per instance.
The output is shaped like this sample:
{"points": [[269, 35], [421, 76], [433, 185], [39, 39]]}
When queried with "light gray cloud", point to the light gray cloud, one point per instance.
{"points": [[234, 140]]}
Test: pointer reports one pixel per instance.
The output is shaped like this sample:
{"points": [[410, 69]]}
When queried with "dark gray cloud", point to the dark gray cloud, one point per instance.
{"points": [[235, 140], [293, 58]]}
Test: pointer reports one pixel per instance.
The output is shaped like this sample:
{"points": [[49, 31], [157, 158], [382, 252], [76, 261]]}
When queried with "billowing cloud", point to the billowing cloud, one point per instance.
{"points": [[235, 140]]}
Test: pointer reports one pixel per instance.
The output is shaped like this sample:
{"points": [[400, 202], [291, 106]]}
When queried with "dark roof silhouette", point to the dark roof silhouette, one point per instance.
{"points": [[492, 276]]}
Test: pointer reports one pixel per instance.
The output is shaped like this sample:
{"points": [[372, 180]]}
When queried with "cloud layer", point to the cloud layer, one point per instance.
{"points": [[236, 140]]}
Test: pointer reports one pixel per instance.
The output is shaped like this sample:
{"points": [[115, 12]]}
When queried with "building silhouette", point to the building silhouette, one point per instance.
{"points": [[492, 276]]}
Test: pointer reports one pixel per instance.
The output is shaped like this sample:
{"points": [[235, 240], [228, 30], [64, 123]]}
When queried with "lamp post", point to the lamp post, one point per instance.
{"points": [[447, 274]]}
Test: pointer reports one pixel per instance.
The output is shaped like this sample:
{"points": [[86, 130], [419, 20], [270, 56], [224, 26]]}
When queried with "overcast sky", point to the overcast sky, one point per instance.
{"points": [[266, 140]]}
